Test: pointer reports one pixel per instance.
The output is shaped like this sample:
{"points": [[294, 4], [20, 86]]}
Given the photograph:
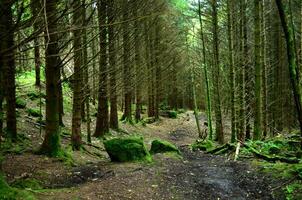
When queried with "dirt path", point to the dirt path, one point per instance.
{"points": [[196, 176]]}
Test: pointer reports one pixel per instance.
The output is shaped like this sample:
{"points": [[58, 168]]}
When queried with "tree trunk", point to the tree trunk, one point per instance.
{"points": [[9, 68], [112, 65], [264, 68], [86, 73], [51, 143], [35, 5], [208, 93], [102, 123], [157, 69], [216, 74], [138, 63], [76, 138], [127, 68], [288, 28], [257, 51], [230, 5]]}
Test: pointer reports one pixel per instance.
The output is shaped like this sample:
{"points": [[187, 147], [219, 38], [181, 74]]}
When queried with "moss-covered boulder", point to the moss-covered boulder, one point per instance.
{"points": [[127, 149], [34, 112], [202, 145], [161, 146], [172, 114], [20, 103]]}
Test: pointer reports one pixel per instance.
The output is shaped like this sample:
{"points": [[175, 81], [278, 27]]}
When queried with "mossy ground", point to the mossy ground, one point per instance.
{"points": [[10, 193]]}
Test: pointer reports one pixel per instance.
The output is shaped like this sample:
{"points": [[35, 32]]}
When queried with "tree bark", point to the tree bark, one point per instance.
{"points": [[102, 123], [112, 65], [230, 5], [288, 28], [208, 93], [35, 4], [257, 64], [51, 143], [9, 68], [216, 74], [127, 76]]}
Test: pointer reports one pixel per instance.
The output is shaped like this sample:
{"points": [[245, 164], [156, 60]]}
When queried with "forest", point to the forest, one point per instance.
{"points": [[150, 99]]}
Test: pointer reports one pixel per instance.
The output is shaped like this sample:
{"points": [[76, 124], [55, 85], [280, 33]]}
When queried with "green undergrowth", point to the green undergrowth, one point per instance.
{"points": [[34, 112], [33, 95], [161, 146], [202, 145], [18, 147], [127, 149], [11, 193], [20, 103], [28, 77], [290, 176], [278, 146]]}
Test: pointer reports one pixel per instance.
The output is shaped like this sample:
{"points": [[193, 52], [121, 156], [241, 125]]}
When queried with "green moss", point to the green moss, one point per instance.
{"points": [[127, 149], [202, 145], [172, 114], [9, 193], [27, 183], [161, 146], [149, 120], [20, 103], [34, 112], [35, 95]]}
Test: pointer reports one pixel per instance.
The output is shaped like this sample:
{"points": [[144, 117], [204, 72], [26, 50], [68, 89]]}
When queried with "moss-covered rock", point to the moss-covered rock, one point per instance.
{"points": [[34, 112], [172, 114], [20, 103], [127, 149], [161, 146], [202, 145]]}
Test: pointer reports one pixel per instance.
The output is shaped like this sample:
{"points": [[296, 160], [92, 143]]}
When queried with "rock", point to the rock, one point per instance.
{"points": [[161, 146], [127, 149]]}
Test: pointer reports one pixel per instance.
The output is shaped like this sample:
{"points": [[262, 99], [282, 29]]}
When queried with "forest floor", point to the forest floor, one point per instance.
{"points": [[195, 176]]}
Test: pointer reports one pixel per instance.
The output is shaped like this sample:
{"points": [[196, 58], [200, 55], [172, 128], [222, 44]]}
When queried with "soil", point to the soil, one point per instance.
{"points": [[196, 176]]}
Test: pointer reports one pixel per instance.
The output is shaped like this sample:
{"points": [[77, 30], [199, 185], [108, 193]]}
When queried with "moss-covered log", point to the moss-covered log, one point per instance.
{"points": [[271, 158]]}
